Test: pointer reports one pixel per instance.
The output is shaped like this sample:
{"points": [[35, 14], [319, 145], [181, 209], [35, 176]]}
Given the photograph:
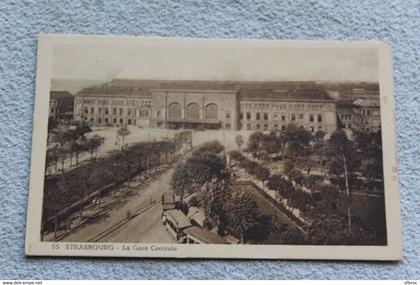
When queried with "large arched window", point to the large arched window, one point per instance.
{"points": [[192, 111], [211, 111], [174, 110]]}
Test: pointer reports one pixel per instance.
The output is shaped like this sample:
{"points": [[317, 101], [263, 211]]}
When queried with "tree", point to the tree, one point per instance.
{"points": [[262, 173], [270, 144], [123, 132], [254, 142], [52, 157], [297, 139], [239, 141], [328, 230], [75, 147], [370, 146], [216, 196], [52, 124], [204, 164], [280, 185], [93, 145], [211, 147], [345, 161], [64, 137], [184, 137], [299, 199], [82, 129], [243, 214], [237, 156]]}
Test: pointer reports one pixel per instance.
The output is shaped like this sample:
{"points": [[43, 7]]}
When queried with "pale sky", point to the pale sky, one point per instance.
{"points": [[106, 62]]}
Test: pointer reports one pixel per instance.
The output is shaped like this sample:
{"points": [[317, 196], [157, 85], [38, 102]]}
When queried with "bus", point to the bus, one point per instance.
{"points": [[180, 228], [199, 235], [168, 201], [175, 222]]}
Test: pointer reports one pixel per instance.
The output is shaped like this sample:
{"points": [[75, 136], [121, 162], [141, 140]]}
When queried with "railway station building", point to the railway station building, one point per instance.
{"points": [[264, 106]]}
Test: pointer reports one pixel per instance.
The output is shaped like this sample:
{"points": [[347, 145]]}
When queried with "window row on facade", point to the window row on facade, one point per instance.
{"points": [[282, 106], [275, 127], [142, 113], [248, 116], [115, 102], [114, 121]]}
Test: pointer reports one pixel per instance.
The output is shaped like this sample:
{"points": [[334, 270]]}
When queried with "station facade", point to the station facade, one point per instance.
{"points": [[264, 106]]}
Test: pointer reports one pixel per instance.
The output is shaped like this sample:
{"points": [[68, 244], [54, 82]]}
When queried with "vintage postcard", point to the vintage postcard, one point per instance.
{"points": [[211, 148]]}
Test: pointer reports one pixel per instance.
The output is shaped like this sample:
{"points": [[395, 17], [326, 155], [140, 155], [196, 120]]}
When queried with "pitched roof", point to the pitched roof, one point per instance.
{"points": [[294, 94], [179, 218], [344, 103], [143, 87], [205, 236], [367, 102], [60, 94]]}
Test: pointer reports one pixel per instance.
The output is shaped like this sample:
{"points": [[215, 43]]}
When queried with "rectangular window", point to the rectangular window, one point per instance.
{"points": [[242, 116], [99, 110], [258, 116], [283, 118], [265, 116], [300, 116], [319, 118], [92, 110], [227, 115], [128, 111], [311, 118], [121, 111], [248, 116], [106, 111], [114, 111], [293, 118]]}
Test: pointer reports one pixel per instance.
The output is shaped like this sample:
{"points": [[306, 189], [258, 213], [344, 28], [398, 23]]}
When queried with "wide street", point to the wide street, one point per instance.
{"points": [[145, 227]]}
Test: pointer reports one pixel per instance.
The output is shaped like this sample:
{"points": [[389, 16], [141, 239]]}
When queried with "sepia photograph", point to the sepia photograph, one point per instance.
{"points": [[213, 148]]}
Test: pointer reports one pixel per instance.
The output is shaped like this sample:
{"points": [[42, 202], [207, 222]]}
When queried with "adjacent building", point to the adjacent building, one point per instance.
{"points": [[61, 106], [308, 107], [361, 114], [113, 106], [367, 115]]}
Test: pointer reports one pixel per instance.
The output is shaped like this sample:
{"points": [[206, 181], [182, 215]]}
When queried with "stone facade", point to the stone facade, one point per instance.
{"points": [[208, 105], [199, 109], [361, 114], [115, 110], [273, 110]]}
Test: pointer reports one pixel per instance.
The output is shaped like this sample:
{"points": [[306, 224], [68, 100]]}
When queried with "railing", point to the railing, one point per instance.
{"points": [[273, 202]]}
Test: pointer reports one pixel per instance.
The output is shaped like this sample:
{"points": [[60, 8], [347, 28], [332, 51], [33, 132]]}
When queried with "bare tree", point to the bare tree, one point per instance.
{"points": [[239, 141]]}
